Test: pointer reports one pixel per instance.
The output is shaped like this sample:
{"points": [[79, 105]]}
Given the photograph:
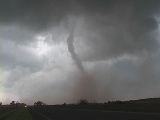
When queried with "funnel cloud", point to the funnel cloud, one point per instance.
{"points": [[70, 43]]}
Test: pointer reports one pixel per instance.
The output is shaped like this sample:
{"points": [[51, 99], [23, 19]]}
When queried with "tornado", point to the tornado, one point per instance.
{"points": [[85, 88], [71, 49]]}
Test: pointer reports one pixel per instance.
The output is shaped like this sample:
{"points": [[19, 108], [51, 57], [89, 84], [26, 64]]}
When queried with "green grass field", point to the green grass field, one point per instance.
{"points": [[145, 109], [61, 113], [18, 114]]}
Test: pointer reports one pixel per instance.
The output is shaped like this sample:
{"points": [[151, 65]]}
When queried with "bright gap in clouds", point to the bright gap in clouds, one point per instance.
{"points": [[42, 48]]}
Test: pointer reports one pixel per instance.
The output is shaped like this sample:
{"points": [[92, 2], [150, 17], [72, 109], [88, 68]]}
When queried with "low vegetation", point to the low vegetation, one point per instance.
{"points": [[41, 111]]}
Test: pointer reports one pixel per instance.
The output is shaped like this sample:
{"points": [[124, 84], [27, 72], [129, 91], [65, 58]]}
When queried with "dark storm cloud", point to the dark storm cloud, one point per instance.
{"points": [[36, 14], [126, 27], [44, 13]]}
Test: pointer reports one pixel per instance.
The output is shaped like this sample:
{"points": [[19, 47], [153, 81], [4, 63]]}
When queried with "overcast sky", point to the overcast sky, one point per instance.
{"points": [[111, 54]]}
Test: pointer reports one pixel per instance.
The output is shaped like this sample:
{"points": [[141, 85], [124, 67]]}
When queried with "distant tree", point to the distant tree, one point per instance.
{"points": [[64, 104], [13, 103], [20, 104], [106, 103], [83, 102], [118, 102], [39, 103], [0, 103]]}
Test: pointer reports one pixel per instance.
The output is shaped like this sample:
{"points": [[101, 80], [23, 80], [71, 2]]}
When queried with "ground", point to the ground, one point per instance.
{"points": [[51, 113]]}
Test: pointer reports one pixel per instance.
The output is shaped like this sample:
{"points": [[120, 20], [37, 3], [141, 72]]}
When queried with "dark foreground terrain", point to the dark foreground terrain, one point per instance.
{"points": [[130, 110], [71, 114], [92, 115]]}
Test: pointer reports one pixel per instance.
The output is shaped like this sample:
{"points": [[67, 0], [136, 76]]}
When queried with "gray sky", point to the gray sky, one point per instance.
{"points": [[116, 42]]}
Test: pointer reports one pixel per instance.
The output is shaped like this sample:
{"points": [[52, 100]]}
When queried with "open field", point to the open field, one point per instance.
{"points": [[19, 113], [36, 113], [128, 110], [147, 109], [77, 114]]}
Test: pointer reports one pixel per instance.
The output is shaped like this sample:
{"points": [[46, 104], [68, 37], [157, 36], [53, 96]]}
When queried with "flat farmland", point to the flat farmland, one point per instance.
{"points": [[145, 109], [83, 114], [61, 113]]}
